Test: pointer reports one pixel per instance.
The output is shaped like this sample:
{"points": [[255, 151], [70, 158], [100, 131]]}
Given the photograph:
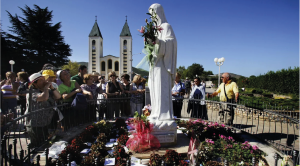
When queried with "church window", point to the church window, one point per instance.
{"points": [[103, 66], [125, 61], [93, 57], [125, 64], [93, 46], [125, 57], [93, 61], [93, 64], [116, 66], [125, 67], [109, 64], [125, 45]]}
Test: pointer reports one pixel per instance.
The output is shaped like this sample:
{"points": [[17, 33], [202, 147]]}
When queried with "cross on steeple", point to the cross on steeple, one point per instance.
{"points": [[126, 18], [96, 19]]}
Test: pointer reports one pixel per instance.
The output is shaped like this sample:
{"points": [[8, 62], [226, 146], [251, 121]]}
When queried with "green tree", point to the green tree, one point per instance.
{"points": [[36, 39], [72, 66], [193, 70], [8, 53], [181, 71]]}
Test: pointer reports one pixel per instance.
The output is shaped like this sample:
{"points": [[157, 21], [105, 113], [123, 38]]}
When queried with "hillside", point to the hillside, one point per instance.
{"points": [[232, 75], [140, 71], [84, 63]]}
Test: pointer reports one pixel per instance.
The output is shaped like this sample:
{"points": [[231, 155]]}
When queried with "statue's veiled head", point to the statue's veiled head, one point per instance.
{"points": [[159, 10]]}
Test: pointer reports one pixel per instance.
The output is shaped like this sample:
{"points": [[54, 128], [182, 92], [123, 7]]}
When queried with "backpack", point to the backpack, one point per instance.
{"points": [[187, 84], [79, 103]]}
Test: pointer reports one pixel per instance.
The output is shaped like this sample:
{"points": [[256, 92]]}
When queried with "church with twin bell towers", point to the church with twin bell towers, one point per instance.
{"points": [[105, 64]]}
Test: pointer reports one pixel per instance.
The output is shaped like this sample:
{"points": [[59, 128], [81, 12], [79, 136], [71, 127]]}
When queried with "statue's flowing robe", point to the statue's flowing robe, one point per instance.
{"points": [[162, 74]]}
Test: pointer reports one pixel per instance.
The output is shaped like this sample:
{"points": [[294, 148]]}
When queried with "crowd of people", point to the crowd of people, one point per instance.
{"points": [[52, 86]]}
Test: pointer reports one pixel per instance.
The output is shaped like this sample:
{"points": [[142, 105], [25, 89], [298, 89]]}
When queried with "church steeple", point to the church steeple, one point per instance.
{"points": [[125, 30], [95, 30]]}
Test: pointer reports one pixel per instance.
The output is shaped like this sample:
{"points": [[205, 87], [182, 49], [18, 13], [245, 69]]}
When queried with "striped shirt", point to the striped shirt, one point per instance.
{"points": [[7, 91]]}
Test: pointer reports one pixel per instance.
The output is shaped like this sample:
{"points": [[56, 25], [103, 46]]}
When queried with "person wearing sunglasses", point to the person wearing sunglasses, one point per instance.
{"points": [[113, 90], [229, 92]]}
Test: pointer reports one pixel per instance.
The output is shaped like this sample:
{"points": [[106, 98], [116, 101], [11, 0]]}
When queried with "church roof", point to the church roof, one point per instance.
{"points": [[95, 31], [125, 30]]}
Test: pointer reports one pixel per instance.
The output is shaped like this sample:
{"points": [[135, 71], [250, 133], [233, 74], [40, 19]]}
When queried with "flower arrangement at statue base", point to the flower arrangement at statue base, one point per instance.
{"points": [[100, 133], [170, 158], [236, 153], [211, 143], [142, 139]]}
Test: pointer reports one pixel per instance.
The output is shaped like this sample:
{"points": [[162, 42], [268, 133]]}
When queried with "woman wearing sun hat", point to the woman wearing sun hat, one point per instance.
{"points": [[44, 96]]}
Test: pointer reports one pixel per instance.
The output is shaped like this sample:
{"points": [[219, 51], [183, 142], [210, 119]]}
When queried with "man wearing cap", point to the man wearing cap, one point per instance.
{"points": [[44, 96], [50, 77], [82, 70]]}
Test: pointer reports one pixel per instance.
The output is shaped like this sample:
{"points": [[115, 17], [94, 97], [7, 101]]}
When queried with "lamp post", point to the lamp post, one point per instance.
{"points": [[219, 62], [11, 62]]}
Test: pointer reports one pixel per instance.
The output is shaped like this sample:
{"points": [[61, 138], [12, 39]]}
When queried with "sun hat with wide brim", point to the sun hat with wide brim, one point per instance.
{"points": [[34, 77], [58, 74]]}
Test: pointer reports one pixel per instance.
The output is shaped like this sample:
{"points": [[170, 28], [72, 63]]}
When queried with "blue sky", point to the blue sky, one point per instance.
{"points": [[254, 36]]}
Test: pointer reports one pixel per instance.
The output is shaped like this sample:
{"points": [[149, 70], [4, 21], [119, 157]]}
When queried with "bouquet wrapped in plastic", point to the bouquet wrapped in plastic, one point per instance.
{"points": [[142, 139]]}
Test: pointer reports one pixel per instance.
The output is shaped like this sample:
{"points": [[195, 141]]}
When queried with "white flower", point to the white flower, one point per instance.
{"points": [[241, 163], [261, 163]]}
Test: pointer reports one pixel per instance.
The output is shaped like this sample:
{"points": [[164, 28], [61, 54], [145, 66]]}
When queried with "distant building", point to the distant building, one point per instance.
{"points": [[105, 64]]}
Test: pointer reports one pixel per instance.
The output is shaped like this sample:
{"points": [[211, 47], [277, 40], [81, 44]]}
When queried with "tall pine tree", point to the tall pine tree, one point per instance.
{"points": [[36, 40]]}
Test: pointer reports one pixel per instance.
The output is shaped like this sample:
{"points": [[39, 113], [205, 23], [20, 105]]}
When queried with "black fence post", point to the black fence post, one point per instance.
{"points": [[38, 157], [21, 156], [9, 154], [276, 159], [46, 153], [295, 158], [15, 149], [28, 148], [4, 150]]}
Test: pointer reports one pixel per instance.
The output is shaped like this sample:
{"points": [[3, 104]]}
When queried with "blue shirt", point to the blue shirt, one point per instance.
{"points": [[178, 88], [198, 92]]}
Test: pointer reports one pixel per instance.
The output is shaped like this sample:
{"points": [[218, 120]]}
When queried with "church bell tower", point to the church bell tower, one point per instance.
{"points": [[126, 50], [95, 48]]}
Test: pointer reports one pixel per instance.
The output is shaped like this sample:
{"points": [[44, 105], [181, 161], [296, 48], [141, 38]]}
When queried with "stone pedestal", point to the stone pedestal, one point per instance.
{"points": [[165, 131]]}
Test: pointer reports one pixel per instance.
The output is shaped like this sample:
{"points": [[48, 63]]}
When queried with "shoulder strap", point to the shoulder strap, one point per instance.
{"points": [[225, 93]]}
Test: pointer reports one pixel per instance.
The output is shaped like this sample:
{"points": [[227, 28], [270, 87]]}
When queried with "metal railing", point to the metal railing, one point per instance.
{"points": [[23, 135], [280, 130]]}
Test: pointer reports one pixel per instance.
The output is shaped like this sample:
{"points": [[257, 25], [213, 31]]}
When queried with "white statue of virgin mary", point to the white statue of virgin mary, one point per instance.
{"points": [[162, 73]]}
